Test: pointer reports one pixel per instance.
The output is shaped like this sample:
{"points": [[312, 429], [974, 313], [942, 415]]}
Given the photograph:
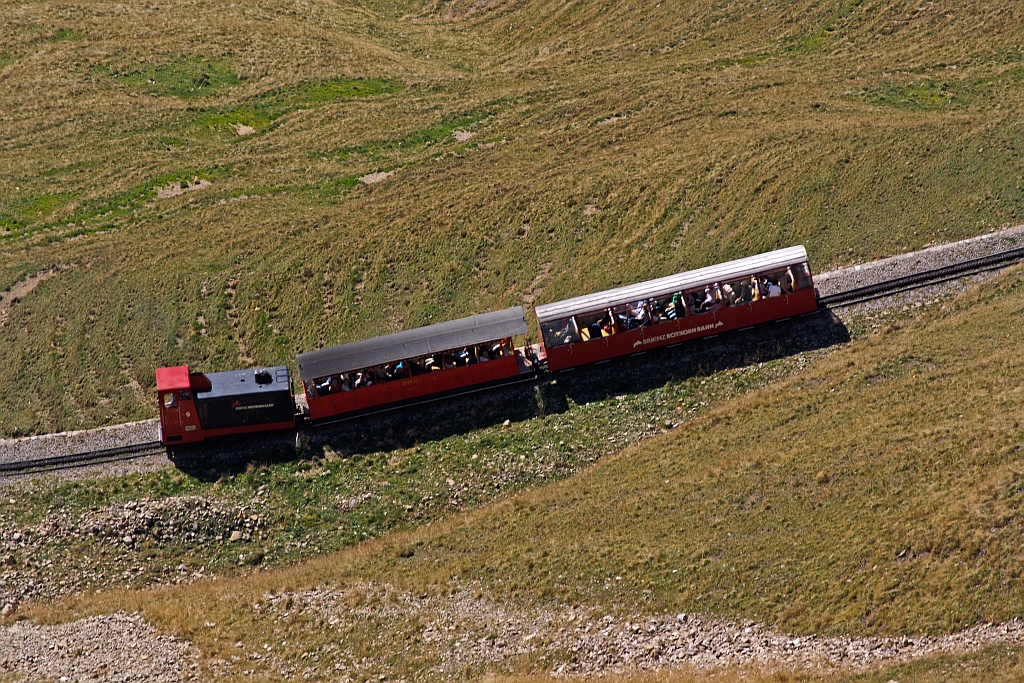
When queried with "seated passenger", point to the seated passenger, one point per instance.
{"points": [[774, 290], [432, 364], [728, 295], [496, 352], [484, 356], [786, 281], [641, 315]]}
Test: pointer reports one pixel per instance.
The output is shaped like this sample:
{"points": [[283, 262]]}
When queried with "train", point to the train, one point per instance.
{"points": [[479, 351]]}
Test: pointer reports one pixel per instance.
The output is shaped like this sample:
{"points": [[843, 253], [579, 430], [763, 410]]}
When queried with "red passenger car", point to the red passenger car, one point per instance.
{"points": [[196, 406], [413, 364], [671, 309]]}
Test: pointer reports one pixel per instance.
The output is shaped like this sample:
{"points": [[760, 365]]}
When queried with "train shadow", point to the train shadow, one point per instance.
{"points": [[407, 426]]}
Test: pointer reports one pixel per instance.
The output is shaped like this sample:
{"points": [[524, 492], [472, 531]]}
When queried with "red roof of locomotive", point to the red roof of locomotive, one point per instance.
{"points": [[172, 379]]}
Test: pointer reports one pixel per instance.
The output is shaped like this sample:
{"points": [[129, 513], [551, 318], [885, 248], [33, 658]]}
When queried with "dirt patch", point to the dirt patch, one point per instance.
{"points": [[463, 135], [174, 189], [590, 209], [532, 291], [242, 130], [20, 290], [610, 120], [371, 178]]}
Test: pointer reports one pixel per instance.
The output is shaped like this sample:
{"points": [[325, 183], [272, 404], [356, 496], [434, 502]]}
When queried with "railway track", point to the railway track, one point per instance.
{"points": [[843, 299], [84, 459], [924, 278]]}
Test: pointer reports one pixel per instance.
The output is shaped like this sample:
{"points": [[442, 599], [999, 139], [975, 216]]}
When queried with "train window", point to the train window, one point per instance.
{"points": [[738, 292], [170, 401], [560, 332], [776, 284], [186, 396], [632, 315], [704, 300], [310, 387], [802, 275], [590, 324], [668, 307]]}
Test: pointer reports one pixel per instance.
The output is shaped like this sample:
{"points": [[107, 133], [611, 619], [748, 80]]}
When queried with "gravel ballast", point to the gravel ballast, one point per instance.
{"points": [[936, 256]]}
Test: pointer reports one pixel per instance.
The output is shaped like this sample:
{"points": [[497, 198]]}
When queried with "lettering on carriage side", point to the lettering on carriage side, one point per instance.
{"points": [[677, 334], [253, 407]]}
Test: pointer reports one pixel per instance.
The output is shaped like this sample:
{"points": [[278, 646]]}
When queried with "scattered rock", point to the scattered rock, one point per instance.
{"points": [[371, 178], [470, 631], [236, 536], [175, 189]]}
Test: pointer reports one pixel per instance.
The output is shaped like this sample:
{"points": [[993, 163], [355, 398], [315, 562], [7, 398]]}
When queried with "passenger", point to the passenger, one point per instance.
{"points": [[675, 308], [484, 356], [745, 293], [463, 357], [786, 281], [728, 295], [709, 299], [774, 290], [345, 384], [432, 364]]}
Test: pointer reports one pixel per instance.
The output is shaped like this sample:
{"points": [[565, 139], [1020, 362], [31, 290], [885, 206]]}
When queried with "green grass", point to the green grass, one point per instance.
{"points": [[185, 77], [265, 111]]}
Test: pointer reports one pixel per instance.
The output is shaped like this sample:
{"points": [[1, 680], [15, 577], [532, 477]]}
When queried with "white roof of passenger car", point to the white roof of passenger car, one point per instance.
{"points": [[722, 272]]}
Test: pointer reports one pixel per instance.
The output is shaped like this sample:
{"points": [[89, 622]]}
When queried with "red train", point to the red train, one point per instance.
{"points": [[427, 362]]}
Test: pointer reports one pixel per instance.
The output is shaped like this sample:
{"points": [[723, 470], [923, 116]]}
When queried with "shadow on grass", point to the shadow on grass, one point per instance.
{"points": [[405, 427]]}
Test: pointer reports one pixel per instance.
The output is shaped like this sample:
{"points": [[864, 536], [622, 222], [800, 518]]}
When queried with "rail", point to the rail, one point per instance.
{"points": [[84, 459], [924, 278]]}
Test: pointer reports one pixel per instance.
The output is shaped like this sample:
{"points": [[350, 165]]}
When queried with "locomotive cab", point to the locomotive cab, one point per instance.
{"points": [[196, 406]]}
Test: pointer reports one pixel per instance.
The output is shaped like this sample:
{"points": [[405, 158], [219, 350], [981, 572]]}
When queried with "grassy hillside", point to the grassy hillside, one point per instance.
{"points": [[610, 142], [876, 492]]}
